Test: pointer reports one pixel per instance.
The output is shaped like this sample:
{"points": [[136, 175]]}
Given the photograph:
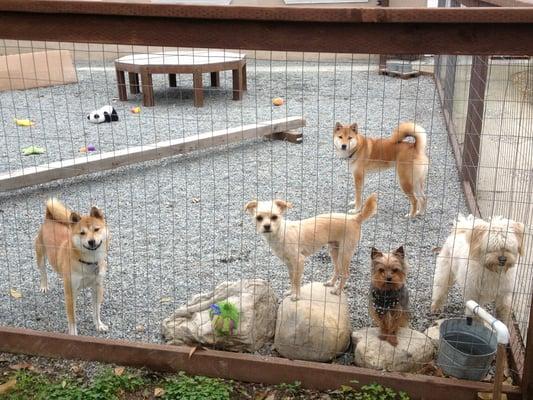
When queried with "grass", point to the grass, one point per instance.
{"points": [[185, 387]]}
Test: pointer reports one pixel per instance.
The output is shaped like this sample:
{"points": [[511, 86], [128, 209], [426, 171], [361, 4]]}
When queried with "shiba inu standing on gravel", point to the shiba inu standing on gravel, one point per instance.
{"points": [[369, 154], [76, 247]]}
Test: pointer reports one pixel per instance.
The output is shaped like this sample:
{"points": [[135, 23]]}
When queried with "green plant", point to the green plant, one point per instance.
{"points": [[368, 392], [290, 389], [106, 386], [196, 388]]}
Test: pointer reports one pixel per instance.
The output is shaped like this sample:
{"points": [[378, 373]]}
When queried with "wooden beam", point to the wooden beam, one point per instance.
{"points": [[342, 30], [114, 159], [237, 366]]}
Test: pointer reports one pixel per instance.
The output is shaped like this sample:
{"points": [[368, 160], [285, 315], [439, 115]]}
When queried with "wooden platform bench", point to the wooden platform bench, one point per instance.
{"points": [[180, 62]]}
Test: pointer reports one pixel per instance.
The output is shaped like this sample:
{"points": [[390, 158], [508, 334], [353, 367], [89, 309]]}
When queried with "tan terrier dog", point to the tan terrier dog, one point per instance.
{"points": [[294, 241]]}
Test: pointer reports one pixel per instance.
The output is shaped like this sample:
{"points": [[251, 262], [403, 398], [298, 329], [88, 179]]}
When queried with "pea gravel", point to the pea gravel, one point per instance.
{"points": [[178, 226]]}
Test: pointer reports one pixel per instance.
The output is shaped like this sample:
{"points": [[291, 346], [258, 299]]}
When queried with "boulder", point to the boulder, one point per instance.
{"points": [[414, 349], [257, 303], [316, 327]]}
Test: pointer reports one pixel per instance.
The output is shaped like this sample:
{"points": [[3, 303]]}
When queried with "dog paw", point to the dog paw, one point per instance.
{"points": [[435, 309], [101, 327], [336, 292], [73, 330], [353, 211], [287, 293], [328, 284], [43, 288], [294, 297]]}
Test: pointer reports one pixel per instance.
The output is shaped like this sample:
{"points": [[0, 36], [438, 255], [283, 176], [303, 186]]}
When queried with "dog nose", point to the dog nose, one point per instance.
{"points": [[343, 147], [96, 116], [267, 227], [502, 260], [389, 278], [91, 242]]}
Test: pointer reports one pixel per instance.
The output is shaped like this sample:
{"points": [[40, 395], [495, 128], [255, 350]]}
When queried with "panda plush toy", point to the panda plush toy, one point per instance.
{"points": [[103, 114]]}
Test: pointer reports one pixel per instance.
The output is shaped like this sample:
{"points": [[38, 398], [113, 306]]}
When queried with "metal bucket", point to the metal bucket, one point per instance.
{"points": [[466, 350]]}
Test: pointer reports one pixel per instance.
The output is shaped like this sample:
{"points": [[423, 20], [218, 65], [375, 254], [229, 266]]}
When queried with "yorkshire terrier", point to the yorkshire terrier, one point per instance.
{"points": [[389, 298]]}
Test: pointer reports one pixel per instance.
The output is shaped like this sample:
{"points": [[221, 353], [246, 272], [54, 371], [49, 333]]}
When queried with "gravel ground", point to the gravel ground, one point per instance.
{"points": [[177, 225]]}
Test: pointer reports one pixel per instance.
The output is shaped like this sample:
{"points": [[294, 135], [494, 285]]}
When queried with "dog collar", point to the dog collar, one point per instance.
{"points": [[351, 155], [92, 264]]}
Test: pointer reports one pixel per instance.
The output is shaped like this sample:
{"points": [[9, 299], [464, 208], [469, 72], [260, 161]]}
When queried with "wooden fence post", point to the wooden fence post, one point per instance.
{"points": [[474, 119]]}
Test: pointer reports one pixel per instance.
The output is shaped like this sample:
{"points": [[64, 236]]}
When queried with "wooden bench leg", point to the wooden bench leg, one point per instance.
{"points": [[121, 85], [244, 82], [172, 80], [148, 89], [237, 84], [215, 79], [134, 82], [198, 89]]}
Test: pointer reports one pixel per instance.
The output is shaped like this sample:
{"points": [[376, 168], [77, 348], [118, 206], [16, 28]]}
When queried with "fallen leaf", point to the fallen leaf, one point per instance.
{"points": [[119, 371], [15, 293], [63, 384], [166, 299], [195, 200], [192, 351], [9, 385], [159, 392], [18, 367], [140, 328]]}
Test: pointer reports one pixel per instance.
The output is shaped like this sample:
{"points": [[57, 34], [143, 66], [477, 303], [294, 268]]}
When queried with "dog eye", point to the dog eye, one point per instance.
{"points": [[82, 233], [381, 270], [96, 229], [349, 138], [395, 270], [274, 217], [259, 218], [340, 137]]}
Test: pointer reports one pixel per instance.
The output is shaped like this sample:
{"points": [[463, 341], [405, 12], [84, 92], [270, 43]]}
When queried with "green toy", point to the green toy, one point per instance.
{"points": [[28, 151], [224, 317]]}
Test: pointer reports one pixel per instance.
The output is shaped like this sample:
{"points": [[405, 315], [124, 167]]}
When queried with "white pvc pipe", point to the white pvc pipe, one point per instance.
{"points": [[502, 332]]}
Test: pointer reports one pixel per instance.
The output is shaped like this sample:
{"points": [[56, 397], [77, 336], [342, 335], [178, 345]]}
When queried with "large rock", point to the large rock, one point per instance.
{"points": [[191, 324], [316, 327], [414, 349]]}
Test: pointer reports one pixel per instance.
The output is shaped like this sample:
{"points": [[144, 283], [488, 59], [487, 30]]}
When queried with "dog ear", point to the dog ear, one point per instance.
{"points": [[96, 212], [74, 217], [250, 206], [283, 205], [354, 127], [519, 232], [476, 241], [375, 253], [338, 126], [399, 252]]}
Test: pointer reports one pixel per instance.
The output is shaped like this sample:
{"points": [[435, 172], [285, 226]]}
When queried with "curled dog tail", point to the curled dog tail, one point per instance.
{"points": [[369, 208], [411, 129], [56, 211]]}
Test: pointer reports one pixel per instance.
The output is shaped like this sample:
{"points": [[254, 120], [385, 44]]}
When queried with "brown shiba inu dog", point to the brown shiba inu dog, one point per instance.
{"points": [[369, 154], [389, 298], [294, 241], [76, 247]]}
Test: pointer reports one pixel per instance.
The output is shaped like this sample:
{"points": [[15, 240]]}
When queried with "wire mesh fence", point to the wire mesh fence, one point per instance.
{"points": [[178, 226]]}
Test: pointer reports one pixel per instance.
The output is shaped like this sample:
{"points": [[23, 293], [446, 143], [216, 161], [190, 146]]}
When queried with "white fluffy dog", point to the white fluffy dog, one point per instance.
{"points": [[480, 256]]}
